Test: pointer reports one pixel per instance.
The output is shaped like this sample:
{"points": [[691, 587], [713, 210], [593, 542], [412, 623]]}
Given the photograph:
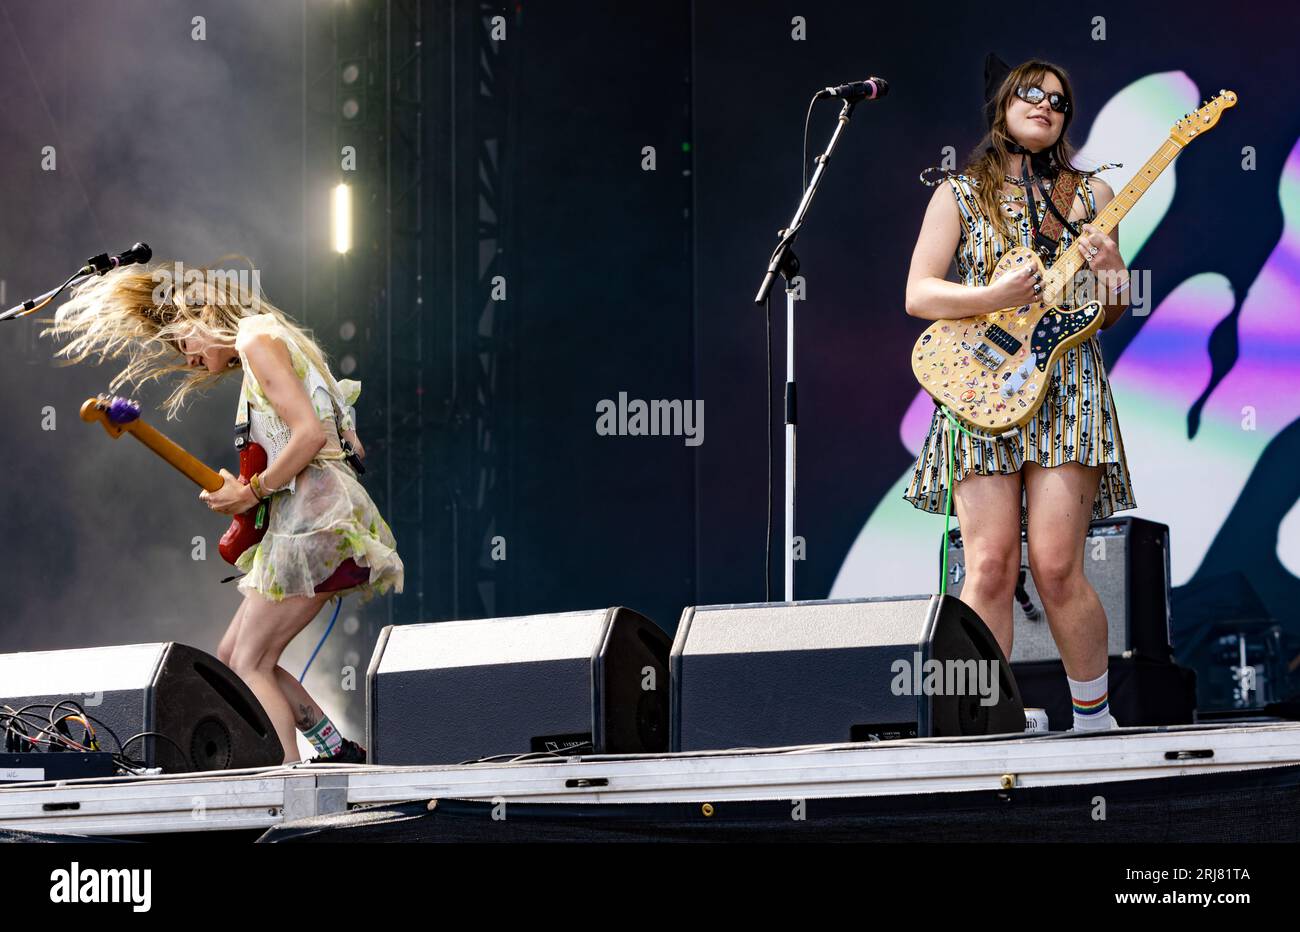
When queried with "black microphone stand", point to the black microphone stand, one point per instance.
{"points": [[786, 264], [95, 265], [31, 305]]}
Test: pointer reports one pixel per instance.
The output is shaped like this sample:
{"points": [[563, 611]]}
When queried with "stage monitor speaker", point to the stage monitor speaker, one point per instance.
{"points": [[776, 674], [454, 691], [1127, 562], [213, 720]]}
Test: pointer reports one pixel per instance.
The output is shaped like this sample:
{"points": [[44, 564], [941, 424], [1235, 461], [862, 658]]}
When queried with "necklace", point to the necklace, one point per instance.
{"points": [[1019, 182]]}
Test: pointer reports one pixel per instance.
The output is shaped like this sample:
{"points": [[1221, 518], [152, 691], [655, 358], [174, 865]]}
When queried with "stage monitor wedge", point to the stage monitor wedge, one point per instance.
{"points": [[454, 691], [794, 673], [213, 720]]}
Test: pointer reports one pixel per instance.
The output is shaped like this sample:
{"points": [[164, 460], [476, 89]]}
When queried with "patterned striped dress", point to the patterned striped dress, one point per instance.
{"points": [[1077, 421]]}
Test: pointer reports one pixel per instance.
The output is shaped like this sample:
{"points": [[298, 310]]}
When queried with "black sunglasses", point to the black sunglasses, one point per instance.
{"points": [[1034, 95]]}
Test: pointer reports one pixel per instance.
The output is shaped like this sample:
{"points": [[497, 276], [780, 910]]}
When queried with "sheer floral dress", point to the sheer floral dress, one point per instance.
{"points": [[324, 515]]}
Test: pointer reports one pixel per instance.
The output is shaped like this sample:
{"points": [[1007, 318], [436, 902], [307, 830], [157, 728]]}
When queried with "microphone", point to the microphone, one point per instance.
{"points": [[98, 265], [870, 89]]}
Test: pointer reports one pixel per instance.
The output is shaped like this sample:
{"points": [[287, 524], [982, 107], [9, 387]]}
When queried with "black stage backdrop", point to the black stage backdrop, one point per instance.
{"points": [[638, 278]]}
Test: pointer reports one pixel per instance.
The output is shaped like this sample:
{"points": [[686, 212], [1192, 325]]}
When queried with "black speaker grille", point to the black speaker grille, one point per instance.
{"points": [[210, 745]]}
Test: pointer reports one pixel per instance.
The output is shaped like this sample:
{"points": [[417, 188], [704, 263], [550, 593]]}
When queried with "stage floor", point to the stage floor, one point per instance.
{"points": [[271, 797]]}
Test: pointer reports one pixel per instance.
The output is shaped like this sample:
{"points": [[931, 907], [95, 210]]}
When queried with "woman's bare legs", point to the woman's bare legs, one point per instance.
{"points": [[262, 630], [306, 712], [227, 645], [1060, 509], [988, 510]]}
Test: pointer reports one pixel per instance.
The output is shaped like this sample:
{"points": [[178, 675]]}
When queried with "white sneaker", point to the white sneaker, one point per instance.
{"points": [[1110, 723]]}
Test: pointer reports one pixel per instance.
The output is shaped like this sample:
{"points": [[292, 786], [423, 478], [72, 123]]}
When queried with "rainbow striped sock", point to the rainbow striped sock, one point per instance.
{"points": [[1091, 701]]}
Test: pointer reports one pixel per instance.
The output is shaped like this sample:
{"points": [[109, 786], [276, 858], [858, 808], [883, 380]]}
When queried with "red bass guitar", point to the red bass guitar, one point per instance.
{"points": [[121, 416]]}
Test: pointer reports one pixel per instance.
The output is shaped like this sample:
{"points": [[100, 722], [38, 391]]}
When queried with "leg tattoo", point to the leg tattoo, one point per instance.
{"points": [[306, 716]]}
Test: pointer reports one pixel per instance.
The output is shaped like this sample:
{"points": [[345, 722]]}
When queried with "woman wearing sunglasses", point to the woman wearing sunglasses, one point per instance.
{"points": [[1066, 466]]}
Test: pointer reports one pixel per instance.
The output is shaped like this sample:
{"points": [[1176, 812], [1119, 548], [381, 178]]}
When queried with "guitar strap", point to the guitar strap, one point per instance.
{"points": [[1048, 233], [243, 427]]}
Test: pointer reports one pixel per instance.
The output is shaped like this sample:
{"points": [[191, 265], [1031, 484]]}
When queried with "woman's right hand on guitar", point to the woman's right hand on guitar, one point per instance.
{"points": [[1015, 289]]}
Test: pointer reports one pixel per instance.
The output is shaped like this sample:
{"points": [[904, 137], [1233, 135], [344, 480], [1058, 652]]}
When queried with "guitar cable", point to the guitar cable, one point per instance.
{"points": [[27, 308], [947, 510], [25, 731], [338, 604]]}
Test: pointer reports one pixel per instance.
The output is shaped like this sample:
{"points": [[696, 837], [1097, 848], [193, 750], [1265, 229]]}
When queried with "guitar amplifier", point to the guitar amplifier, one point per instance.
{"points": [[1127, 562]]}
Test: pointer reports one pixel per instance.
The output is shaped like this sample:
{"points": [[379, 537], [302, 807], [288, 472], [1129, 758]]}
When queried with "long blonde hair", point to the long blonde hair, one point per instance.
{"points": [[987, 164], [142, 313]]}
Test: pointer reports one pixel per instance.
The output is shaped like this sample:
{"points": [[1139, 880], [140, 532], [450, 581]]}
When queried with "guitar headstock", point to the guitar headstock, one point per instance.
{"points": [[117, 414], [1203, 118]]}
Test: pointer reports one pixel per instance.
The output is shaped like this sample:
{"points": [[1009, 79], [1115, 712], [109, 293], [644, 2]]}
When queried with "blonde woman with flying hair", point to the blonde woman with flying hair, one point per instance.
{"points": [[324, 537]]}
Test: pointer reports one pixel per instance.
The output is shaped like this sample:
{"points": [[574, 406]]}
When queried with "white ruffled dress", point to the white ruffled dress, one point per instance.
{"points": [[324, 515]]}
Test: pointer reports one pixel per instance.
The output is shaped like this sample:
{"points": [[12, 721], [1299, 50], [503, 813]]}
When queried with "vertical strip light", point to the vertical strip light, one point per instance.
{"points": [[341, 218]]}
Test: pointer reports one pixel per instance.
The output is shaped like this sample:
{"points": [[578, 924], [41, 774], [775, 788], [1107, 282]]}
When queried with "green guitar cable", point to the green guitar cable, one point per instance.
{"points": [[947, 509]]}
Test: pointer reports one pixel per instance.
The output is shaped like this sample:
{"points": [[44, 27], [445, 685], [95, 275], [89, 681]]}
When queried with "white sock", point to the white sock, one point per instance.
{"points": [[1091, 703]]}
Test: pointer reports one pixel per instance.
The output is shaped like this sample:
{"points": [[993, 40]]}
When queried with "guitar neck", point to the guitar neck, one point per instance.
{"points": [[1109, 216], [193, 469]]}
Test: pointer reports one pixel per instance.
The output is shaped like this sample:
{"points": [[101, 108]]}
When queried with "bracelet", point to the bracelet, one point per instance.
{"points": [[1114, 295], [255, 483]]}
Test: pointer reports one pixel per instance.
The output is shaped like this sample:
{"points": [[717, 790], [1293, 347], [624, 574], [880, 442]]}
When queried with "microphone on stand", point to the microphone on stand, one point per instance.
{"points": [[95, 265], [98, 265], [871, 89]]}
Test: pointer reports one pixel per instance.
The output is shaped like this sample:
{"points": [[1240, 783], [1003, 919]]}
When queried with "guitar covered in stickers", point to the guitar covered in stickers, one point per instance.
{"points": [[992, 371]]}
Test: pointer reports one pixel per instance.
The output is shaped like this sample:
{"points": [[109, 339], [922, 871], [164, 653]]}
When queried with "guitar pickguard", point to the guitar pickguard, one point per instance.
{"points": [[1055, 328]]}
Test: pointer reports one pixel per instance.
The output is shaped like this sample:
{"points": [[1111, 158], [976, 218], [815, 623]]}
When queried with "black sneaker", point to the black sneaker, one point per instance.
{"points": [[349, 753]]}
